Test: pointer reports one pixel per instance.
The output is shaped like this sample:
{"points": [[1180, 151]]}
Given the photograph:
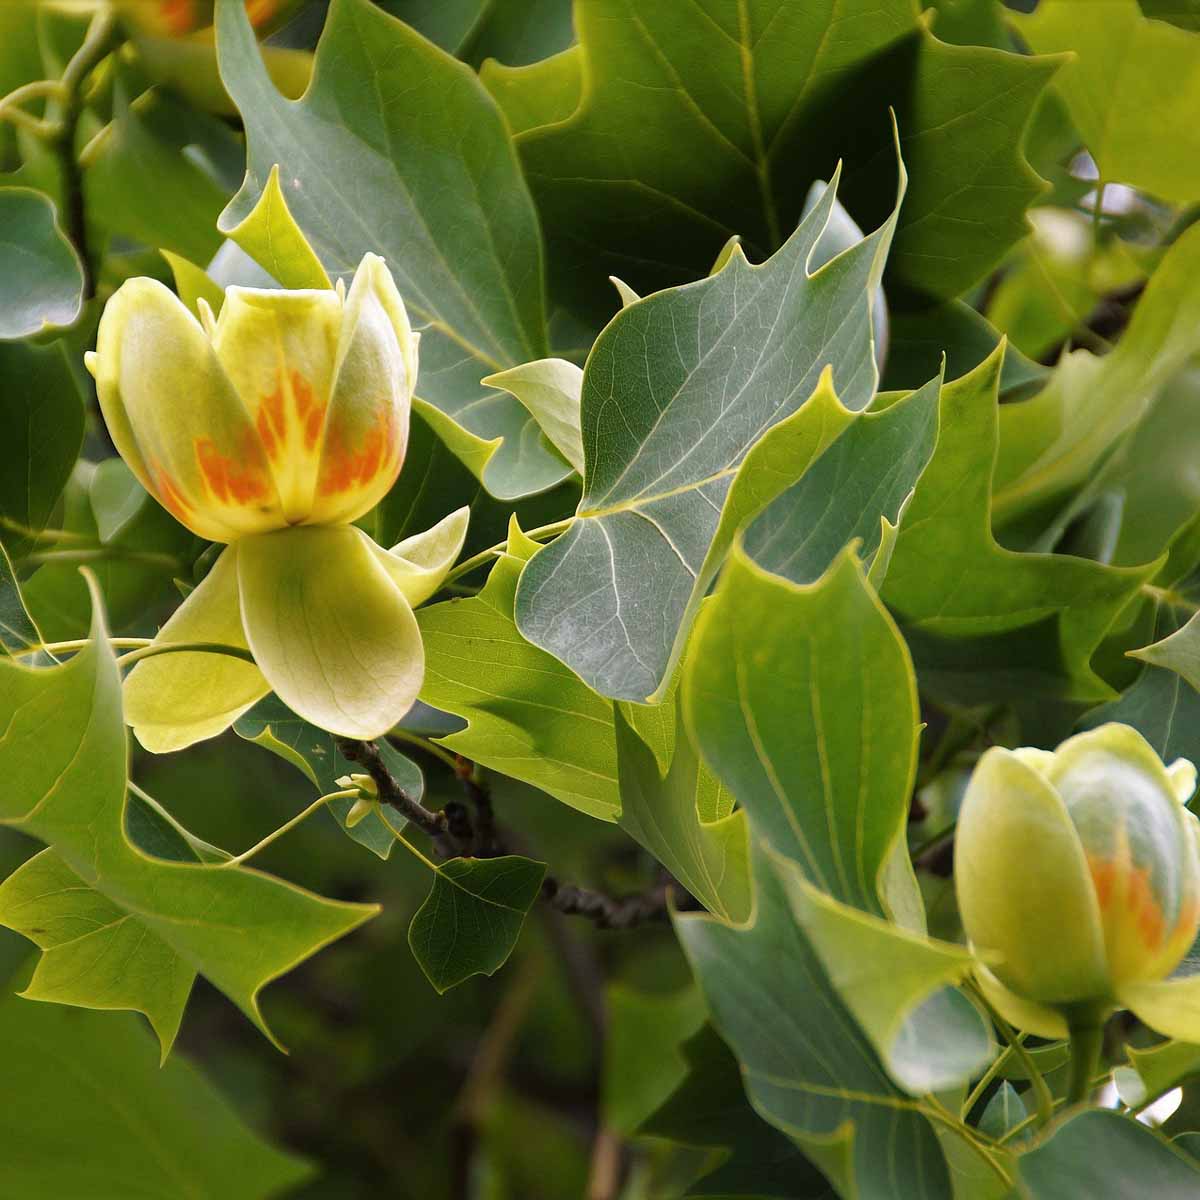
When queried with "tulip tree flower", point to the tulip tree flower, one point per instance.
{"points": [[1078, 880], [272, 427]]}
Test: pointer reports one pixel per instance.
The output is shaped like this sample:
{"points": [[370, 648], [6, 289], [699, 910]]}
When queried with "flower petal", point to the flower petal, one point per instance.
{"points": [[1024, 890], [175, 418], [333, 634], [418, 564], [1016, 1010], [1171, 1006], [173, 700], [367, 428], [279, 349]]}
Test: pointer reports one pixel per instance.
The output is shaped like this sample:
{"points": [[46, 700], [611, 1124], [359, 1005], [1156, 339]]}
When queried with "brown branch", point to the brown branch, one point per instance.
{"points": [[608, 912]]}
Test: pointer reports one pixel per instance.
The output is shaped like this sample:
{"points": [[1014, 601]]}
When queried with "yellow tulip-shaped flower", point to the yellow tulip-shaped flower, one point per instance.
{"points": [[1078, 881], [272, 427]]}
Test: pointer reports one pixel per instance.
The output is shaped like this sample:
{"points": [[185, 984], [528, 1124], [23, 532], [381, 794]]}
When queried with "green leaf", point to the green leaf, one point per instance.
{"points": [[700, 122], [985, 623], [1099, 1153], [42, 414], [272, 725], [853, 492], [18, 630], [817, 736], [1156, 1071], [1114, 86], [550, 390], [709, 1108], [1004, 1111], [155, 174], [1052, 442], [472, 917], [677, 391], [528, 715], [64, 761], [643, 1062], [1178, 652], [93, 1114], [41, 279], [898, 985], [419, 168], [513, 31], [662, 813], [807, 1066]]}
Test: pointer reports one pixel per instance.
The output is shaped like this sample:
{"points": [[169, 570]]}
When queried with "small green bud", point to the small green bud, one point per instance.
{"points": [[1077, 873], [365, 784], [361, 807]]}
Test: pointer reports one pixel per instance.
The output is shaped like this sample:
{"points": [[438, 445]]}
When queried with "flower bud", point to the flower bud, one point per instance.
{"points": [[291, 408], [1077, 873], [176, 18]]}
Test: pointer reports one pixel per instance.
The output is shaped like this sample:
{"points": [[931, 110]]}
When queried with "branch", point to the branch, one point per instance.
{"points": [[436, 824], [608, 912]]}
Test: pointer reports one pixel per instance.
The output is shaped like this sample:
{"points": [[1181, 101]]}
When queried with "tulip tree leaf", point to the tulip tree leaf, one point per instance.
{"points": [[707, 120], [550, 390], [64, 761], [18, 631], [1102, 1153], [1113, 85], [513, 31], [974, 611], [98, 1116], [678, 390], [41, 280], [709, 859], [42, 415], [472, 917], [1054, 440], [418, 167], [272, 725]]}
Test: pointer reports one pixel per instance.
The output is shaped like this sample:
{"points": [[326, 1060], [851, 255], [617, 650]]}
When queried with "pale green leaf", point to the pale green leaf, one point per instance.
{"points": [[1003, 1112], [677, 391], [709, 859], [64, 762], [1131, 87], [550, 390]]}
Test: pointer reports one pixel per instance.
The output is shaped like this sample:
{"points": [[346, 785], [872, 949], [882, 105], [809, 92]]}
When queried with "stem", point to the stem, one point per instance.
{"points": [[998, 1064], [287, 826], [79, 644], [484, 556], [426, 744], [1086, 1043], [1041, 1092], [101, 554], [152, 650]]}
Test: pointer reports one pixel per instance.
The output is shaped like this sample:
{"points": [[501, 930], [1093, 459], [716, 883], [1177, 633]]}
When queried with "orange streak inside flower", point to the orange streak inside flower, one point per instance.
{"points": [[1126, 894], [273, 417], [169, 495], [344, 468], [261, 11], [227, 479]]}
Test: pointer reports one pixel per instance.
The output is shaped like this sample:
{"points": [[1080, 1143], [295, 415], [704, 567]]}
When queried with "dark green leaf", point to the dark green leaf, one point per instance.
{"points": [[472, 917], [41, 280]]}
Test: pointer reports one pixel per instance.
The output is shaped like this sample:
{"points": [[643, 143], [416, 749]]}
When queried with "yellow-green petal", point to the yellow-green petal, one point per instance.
{"points": [[418, 564], [175, 417], [1026, 898], [1019, 1012], [173, 700], [332, 633], [278, 348], [1171, 1006], [367, 427]]}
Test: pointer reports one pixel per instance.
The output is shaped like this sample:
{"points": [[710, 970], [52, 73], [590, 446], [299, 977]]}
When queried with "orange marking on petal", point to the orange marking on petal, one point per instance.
{"points": [[226, 479], [169, 496], [343, 468], [301, 393], [178, 16], [261, 11], [266, 434]]}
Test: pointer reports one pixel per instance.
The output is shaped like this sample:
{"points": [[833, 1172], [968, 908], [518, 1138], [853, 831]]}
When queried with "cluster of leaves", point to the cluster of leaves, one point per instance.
{"points": [[768, 542]]}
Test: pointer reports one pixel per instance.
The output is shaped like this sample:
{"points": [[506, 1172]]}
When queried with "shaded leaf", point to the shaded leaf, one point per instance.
{"points": [[1004, 1111], [472, 917], [985, 623], [1099, 1153], [707, 120], [40, 273], [98, 1117]]}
